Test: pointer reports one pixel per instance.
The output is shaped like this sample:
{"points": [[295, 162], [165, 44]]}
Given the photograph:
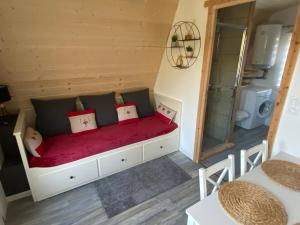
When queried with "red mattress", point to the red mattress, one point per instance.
{"points": [[67, 148]]}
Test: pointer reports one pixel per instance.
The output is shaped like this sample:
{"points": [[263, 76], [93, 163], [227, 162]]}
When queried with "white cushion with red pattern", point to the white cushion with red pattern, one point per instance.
{"points": [[127, 113], [165, 113], [34, 142], [83, 121]]}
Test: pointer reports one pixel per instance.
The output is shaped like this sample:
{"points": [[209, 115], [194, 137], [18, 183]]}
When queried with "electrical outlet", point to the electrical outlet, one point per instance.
{"points": [[294, 106]]}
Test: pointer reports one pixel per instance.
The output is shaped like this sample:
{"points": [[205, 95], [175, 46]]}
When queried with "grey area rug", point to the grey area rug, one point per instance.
{"points": [[131, 187]]}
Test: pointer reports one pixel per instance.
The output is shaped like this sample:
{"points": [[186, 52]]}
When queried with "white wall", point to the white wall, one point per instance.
{"points": [[287, 138], [288, 135], [285, 17], [185, 84]]}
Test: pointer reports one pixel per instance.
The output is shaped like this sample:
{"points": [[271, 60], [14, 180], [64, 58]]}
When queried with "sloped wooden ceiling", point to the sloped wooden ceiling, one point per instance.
{"points": [[57, 48]]}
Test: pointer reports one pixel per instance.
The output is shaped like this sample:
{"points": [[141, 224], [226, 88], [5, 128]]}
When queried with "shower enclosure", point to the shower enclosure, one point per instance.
{"points": [[226, 69]]}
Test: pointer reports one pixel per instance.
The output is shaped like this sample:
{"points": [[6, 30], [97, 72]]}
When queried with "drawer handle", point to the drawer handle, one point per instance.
{"points": [[123, 160], [72, 177]]}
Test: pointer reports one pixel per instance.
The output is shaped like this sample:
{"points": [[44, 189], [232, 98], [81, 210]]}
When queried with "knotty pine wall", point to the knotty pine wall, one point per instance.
{"points": [[58, 48]]}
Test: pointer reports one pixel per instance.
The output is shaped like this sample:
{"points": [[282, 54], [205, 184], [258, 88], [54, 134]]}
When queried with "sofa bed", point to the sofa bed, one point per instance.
{"points": [[71, 160]]}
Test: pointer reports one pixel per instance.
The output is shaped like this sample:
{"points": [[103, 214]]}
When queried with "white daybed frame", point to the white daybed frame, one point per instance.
{"points": [[50, 181]]}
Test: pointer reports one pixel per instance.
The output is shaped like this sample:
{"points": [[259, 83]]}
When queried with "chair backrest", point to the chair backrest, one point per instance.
{"points": [[262, 152], [226, 165]]}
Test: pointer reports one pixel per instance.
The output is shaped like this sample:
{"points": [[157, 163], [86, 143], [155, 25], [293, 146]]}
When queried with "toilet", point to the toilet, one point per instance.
{"points": [[241, 115]]}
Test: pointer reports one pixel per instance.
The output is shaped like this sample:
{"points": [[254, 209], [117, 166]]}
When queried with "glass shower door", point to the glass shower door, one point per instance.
{"points": [[226, 69]]}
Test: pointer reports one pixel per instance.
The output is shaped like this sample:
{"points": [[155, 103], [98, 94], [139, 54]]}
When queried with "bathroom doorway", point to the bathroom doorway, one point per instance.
{"points": [[226, 70], [242, 77]]}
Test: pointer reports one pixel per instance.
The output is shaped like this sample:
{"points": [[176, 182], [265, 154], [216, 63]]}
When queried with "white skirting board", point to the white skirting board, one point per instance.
{"points": [[15, 197]]}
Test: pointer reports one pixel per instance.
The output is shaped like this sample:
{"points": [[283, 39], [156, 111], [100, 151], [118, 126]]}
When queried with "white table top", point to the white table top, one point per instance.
{"points": [[210, 212]]}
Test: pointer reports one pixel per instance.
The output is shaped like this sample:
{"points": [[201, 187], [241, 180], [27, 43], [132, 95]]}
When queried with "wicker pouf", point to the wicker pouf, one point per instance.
{"points": [[250, 204], [283, 172]]}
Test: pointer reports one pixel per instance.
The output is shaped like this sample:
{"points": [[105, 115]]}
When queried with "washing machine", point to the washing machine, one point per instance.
{"points": [[256, 106]]}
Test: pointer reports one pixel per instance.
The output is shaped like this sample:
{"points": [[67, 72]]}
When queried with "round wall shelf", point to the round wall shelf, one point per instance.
{"points": [[183, 45]]}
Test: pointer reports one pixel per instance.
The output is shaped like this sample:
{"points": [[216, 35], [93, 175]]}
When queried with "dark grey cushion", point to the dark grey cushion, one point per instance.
{"points": [[142, 100], [51, 115], [104, 105]]}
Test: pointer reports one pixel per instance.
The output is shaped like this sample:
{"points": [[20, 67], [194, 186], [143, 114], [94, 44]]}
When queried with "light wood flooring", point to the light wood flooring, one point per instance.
{"points": [[243, 139], [82, 206]]}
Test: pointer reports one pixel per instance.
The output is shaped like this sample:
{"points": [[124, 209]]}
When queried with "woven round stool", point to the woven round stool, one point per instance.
{"points": [[250, 204], [283, 172]]}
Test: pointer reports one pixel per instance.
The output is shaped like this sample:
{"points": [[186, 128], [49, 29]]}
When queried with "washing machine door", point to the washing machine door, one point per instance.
{"points": [[265, 109]]}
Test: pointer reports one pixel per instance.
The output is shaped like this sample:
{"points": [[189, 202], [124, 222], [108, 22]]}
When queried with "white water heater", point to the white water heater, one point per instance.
{"points": [[266, 44]]}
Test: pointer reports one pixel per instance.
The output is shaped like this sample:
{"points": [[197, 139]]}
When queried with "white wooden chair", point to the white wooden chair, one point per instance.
{"points": [[226, 165], [262, 152]]}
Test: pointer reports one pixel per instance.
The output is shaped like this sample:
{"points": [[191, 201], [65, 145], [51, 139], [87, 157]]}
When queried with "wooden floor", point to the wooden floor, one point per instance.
{"points": [[83, 206], [243, 139], [210, 142]]}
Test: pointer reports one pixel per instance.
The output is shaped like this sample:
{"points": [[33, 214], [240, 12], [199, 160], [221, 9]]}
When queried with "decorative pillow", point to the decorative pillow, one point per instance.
{"points": [[83, 121], [34, 142], [104, 105], [142, 100], [51, 115], [127, 113], [165, 113]]}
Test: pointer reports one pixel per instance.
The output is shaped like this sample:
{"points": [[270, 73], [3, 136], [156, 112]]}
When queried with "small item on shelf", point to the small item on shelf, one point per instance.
{"points": [[179, 61], [189, 35], [175, 42], [189, 51]]}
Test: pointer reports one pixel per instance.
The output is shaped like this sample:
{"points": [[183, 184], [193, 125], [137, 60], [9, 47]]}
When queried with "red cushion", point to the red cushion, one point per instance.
{"points": [[79, 113], [34, 142], [82, 121], [165, 113], [67, 148], [162, 117], [127, 113]]}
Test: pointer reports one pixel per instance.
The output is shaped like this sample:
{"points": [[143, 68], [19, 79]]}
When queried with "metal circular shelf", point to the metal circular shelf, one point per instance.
{"points": [[183, 45]]}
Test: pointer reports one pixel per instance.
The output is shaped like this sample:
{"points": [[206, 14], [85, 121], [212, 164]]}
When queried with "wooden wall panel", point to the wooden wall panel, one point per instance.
{"points": [[64, 48]]}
